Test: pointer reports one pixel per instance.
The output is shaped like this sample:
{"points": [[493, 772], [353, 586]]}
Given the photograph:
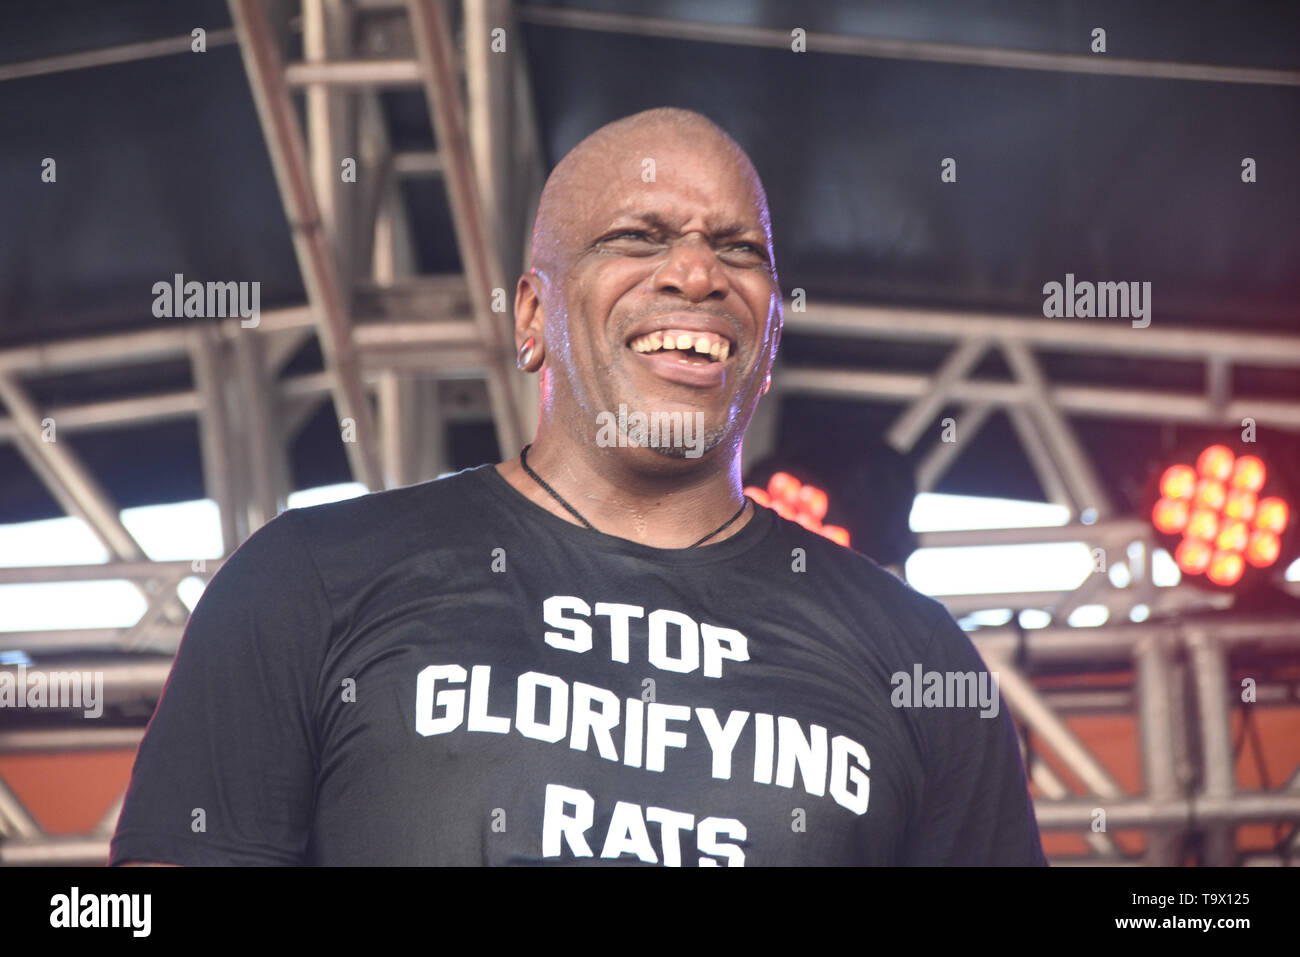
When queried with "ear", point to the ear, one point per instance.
{"points": [[780, 329], [530, 321]]}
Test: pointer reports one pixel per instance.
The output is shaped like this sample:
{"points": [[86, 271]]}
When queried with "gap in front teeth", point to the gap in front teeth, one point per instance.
{"points": [[716, 349]]}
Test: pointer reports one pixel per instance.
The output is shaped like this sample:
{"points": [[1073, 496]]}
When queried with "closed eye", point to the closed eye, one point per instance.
{"points": [[748, 250], [733, 249]]}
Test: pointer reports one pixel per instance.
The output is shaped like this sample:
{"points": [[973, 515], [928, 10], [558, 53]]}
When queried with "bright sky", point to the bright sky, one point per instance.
{"points": [[190, 530]]}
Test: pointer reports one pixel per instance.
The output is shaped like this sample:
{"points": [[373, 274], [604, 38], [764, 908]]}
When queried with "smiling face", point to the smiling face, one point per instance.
{"points": [[655, 282]]}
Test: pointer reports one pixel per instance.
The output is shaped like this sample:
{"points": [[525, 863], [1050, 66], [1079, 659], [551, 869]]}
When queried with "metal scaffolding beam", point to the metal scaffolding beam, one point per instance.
{"points": [[355, 74], [1080, 477], [1058, 335], [76, 489], [315, 253], [901, 49], [474, 236], [387, 332], [108, 56]]}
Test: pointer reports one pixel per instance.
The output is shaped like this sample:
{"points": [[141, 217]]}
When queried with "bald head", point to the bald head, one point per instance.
{"points": [[656, 224], [619, 151]]}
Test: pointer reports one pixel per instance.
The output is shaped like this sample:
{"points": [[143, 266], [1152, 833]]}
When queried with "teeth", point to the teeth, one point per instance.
{"points": [[704, 345]]}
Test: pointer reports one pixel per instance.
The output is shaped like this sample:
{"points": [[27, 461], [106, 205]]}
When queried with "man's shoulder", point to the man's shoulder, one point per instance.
{"points": [[376, 514], [842, 574], [399, 501], [373, 530]]}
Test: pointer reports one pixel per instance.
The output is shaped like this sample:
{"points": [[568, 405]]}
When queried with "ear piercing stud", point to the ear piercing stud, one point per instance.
{"points": [[526, 353]]}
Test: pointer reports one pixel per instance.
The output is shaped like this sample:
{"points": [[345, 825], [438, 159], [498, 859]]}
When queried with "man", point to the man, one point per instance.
{"points": [[600, 651]]}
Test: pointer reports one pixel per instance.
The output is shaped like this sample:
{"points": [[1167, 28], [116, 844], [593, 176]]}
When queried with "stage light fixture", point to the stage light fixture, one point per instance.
{"points": [[855, 490], [805, 504], [1216, 520]]}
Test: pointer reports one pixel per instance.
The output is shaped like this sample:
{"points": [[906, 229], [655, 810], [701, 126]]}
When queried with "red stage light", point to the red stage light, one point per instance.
{"points": [[784, 487], [1263, 548], [1216, 462], [1240, 504], [1232, 536], [1193, 555], [1215, 511], [1210, 493], [805, 504], [1249, 474], [1271, 515], [1204, 524], [840, 536], [1170, 515], [1179, 481], [1225, 568], [814, 501]]}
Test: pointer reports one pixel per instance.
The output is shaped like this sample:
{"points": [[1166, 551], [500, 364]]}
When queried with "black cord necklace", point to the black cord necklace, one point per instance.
{"points": [[523, 460]]}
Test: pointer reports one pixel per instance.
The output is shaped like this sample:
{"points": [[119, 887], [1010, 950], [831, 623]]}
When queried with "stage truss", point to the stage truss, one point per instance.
{"points": [[405, 354]]}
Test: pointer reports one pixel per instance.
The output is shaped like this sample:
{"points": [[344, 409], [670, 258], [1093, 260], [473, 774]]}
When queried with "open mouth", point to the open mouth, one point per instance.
{"points": [[700, 348]]}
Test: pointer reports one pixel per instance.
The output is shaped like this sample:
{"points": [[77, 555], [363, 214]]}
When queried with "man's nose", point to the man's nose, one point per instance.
{"points": [[692, 269]]}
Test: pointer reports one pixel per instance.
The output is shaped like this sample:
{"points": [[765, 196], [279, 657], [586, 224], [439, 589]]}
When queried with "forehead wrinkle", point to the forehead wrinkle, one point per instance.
{"points": [[661, 222]]}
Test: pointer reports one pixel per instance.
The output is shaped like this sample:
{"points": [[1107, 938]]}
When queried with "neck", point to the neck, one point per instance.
{"points": [[635, 493]]}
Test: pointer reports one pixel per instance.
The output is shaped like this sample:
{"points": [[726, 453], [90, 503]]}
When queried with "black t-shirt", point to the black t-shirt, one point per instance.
{"points": [[448, 674]]}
